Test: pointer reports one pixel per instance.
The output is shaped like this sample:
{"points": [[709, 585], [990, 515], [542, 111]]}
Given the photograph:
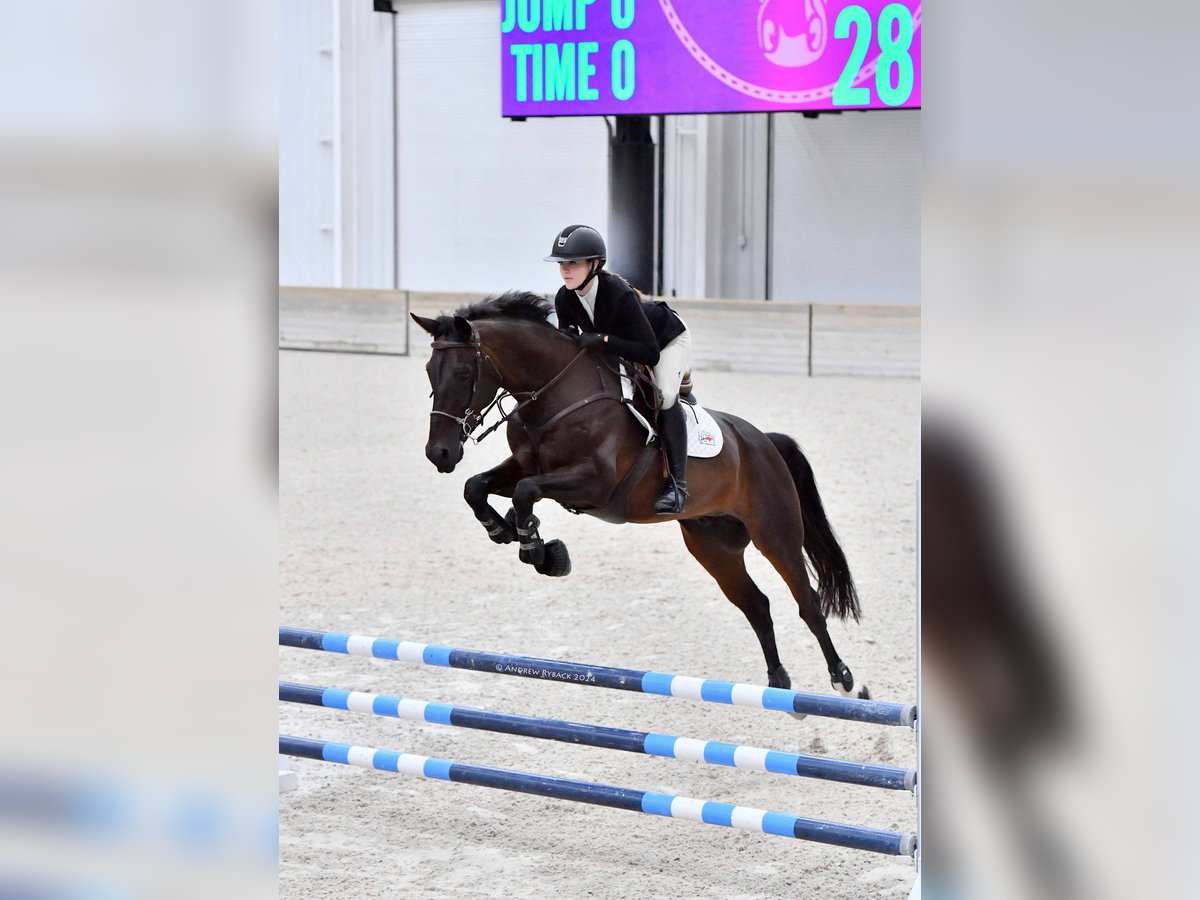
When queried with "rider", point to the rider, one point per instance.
{"points": [[612, 316]]}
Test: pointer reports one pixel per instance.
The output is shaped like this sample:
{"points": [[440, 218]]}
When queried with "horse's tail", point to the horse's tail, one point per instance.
{"points": [[834, 582]]}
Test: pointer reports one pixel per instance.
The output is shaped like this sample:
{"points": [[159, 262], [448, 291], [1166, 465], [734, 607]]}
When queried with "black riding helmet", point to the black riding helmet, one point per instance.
{"points": [[579, 242]]}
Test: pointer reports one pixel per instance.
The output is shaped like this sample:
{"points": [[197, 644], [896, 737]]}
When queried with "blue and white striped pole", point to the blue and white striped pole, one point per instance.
{"points": [[856, 837], [829, 706], [753, 758]]}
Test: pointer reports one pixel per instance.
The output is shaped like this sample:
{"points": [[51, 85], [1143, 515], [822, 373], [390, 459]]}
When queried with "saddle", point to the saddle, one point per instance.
{"points": [[705, 439], [639, 392], [644, 401]]}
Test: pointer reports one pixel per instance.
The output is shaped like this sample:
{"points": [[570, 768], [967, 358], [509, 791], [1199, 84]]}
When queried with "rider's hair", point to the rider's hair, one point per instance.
{"points": [[625, 281]]}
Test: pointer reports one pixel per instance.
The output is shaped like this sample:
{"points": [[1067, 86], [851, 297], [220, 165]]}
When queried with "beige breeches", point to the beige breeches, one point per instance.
{"points": [[673, 360]]}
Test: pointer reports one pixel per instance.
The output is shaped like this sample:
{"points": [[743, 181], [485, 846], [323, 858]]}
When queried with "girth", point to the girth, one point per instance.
{"points": [[615, 509]]}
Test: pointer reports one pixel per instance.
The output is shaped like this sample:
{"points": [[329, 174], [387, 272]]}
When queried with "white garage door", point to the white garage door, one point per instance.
{"points": [[482, 197], [307, 153], [847, 208]]}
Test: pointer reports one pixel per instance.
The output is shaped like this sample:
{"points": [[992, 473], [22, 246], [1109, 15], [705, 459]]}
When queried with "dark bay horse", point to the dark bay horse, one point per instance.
{"points": [[574, 442]]}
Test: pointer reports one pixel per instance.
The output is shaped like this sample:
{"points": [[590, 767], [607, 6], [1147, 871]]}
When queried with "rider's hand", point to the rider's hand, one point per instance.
{"points": [[591, 341]]}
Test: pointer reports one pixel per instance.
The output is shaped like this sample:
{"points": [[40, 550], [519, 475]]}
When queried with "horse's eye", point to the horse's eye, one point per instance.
{"points": [[462, 374]]}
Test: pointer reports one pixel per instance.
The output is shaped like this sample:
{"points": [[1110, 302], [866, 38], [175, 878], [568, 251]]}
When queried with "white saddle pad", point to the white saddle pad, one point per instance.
{"points": [[705, 438], [704, 434]]}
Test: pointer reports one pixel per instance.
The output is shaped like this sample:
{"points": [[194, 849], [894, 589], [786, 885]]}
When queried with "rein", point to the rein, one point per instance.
{"points": [[533, 397], [637, 376]]}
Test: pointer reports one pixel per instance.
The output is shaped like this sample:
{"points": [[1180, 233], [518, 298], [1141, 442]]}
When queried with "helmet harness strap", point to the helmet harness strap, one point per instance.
{"points": [[593, 269]]}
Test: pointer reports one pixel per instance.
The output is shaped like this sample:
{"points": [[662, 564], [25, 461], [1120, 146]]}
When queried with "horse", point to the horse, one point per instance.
{"points": [[573, 441]]}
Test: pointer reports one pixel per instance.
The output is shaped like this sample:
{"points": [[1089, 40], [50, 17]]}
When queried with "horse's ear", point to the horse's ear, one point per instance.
{"points": [[463, 327], [428, 324]]}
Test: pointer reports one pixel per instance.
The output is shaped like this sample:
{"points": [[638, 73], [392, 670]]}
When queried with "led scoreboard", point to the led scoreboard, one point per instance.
{"points": [[606, 57]]}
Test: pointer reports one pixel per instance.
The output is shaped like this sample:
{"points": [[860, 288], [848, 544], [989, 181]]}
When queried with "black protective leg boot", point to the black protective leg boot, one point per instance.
{"points": [[672, 429]]}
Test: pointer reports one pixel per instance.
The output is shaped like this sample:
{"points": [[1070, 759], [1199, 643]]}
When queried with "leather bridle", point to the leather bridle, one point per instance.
{"points": [[470, 419]]}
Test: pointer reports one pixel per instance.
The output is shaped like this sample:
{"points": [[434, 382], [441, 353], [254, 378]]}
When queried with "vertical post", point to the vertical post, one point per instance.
{"points": [[287, 778], [810, 339], [631, 201], [770, 236], [396, 172], [661, 169]]}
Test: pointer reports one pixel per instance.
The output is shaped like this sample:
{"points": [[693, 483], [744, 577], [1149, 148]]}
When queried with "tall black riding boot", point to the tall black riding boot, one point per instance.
{"points": [[672, 428]]}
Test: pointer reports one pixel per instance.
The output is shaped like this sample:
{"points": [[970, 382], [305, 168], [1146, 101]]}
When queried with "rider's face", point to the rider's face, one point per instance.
{"points": [[573, 273]]}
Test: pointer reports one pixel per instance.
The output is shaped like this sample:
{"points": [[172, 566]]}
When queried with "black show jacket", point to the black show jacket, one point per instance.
{"points": [[637, 329]]}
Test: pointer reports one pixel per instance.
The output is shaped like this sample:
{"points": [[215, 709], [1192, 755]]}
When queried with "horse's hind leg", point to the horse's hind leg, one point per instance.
{"points": [[719, 545], [782, 548], [840, 675]]}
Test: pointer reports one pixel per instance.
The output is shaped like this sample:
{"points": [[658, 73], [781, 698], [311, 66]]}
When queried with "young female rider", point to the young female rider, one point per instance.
{"points": [[612, 317]]}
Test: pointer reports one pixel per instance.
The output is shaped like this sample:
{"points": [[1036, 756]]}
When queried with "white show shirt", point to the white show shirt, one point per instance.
{"points": [[588, 299]]}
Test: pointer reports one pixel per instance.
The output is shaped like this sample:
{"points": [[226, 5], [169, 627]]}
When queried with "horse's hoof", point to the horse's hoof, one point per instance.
{"points": [[779, 678], [557, 561], [843, 680]]}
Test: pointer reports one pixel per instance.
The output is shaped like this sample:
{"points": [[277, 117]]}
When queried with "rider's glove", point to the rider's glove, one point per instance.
{"points": [[591, 341]]}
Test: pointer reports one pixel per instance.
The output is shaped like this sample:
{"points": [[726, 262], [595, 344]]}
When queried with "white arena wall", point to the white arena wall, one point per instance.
{"points": [[397, 172]]}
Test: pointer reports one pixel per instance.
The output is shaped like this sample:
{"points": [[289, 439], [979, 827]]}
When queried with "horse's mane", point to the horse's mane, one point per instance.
{"points": [[509, 305], [521, 305]]}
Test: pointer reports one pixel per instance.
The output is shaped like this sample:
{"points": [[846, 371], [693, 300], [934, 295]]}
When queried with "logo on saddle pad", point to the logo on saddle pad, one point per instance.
{"points": [[707, 438]]}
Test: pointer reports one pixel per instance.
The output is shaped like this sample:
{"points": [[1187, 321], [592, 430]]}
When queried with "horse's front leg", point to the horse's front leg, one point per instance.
{"points": [[573, 486], [500, 481]]}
